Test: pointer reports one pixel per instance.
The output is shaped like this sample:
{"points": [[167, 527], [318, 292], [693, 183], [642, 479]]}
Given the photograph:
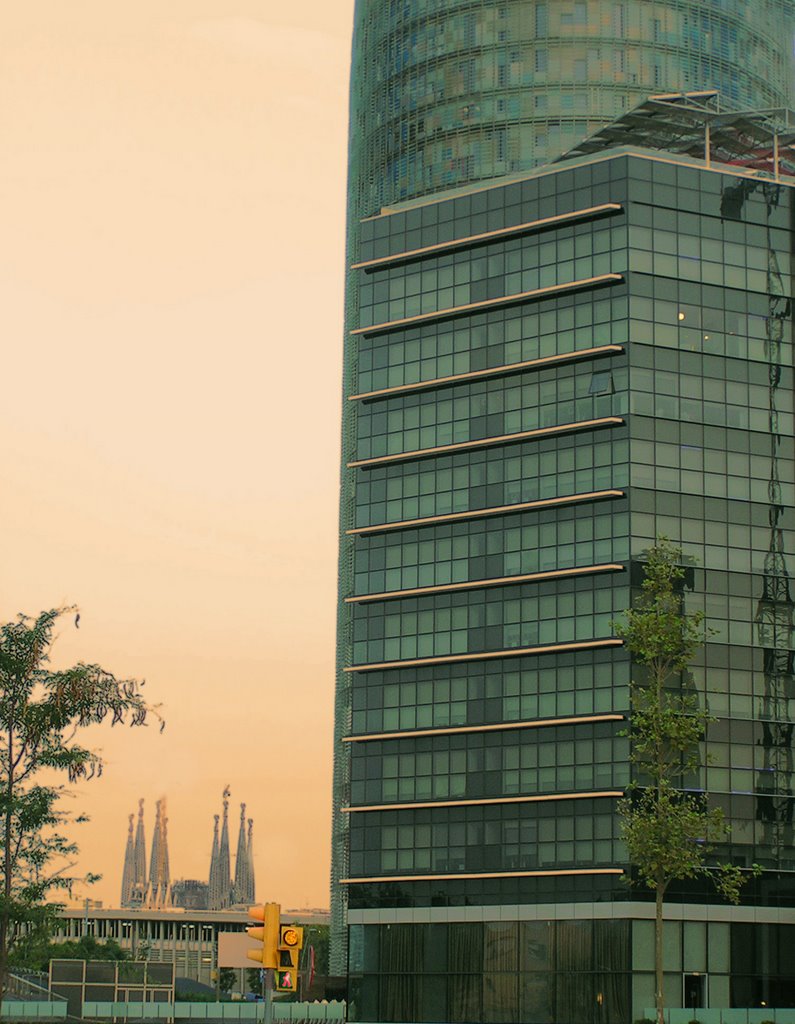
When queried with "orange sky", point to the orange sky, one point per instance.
{"points": [[171, 275]]}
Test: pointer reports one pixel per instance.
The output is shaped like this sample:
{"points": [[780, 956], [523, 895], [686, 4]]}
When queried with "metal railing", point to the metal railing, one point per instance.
{"points": [[295, 1012], [24, 999], [737, 1015], [22, 986]]}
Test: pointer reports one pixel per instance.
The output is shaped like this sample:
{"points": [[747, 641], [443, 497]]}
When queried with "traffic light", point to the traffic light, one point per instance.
{"points": [[290, 936], [267, 953], [291, 939]]}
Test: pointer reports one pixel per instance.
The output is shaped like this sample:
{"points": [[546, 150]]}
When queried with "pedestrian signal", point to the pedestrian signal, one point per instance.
{"points": [[286, 979]]}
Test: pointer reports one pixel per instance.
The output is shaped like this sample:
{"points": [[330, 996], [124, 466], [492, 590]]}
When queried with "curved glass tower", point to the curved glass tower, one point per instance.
{"points": [[445, 93], [547, 365]]}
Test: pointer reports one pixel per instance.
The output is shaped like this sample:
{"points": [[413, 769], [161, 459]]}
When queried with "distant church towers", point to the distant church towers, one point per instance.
{"points": [[139, 858], [159, 877], [129, 867], [243, 889], [134, 885], [137, 890], [223, 892], [156, 891], [220, 894]]}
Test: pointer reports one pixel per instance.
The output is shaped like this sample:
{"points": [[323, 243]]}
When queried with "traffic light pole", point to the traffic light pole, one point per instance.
{"points": [[267, 995], [279, 949]]}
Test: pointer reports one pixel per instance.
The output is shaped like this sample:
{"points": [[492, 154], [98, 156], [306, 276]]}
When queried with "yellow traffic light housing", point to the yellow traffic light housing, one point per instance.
{"points": [[268, 935], [290, 936], [291, 939]]}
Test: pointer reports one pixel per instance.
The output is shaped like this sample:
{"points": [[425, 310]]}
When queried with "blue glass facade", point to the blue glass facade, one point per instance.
{"points": [[513, 460], [451, 92], [543, 375]]}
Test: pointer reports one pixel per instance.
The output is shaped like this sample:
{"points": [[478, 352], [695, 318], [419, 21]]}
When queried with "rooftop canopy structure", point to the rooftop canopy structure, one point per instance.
{"points": [[698, 124]]}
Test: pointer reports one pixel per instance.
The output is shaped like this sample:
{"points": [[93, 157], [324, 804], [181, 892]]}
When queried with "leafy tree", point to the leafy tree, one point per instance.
{"points": [[670, 834], [317, 936], [42, 715], [35, 951], [226, 979]]}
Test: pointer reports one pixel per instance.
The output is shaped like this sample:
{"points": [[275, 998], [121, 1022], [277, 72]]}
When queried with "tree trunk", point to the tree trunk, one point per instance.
{"points": [[661, 884], [3, 959], [5, 913], [658, 956]]}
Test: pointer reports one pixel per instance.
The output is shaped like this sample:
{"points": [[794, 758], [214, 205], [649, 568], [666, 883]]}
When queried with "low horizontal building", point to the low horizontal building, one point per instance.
{"points": [[188, 939]]}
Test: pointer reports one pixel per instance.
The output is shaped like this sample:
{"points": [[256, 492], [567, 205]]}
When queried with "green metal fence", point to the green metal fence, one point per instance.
{"points": [[735, 1016], [214, 1011], [33, 1009]]}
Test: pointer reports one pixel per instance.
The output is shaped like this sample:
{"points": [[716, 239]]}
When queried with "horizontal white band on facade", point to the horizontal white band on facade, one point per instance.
{"points": [[631, 910], [454, 730], [539, 433], [493, 371], [489, 236], [486, 304], [495, 510], [558, 872], [510, 652], [614, 794], [498, 581]]}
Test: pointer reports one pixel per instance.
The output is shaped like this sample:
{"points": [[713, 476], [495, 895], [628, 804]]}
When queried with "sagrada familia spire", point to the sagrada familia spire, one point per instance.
{"points": [[133, 882], [136, 889], [243, 889], [155, 891], [159, 878], [220, 895], [223, 891], [129, 867], [139, 859]]}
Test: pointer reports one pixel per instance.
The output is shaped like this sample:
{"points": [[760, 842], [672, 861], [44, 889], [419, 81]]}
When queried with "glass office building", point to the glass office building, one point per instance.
{"points": [[543, 373], [448, 92]]}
